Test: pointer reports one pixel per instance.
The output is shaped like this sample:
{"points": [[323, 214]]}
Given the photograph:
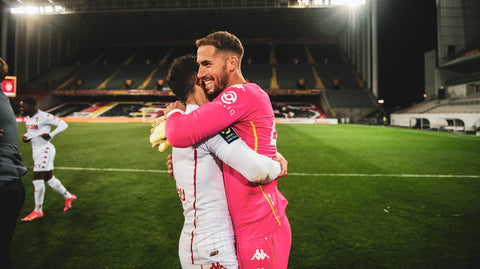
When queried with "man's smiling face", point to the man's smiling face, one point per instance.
{"points": [[212, 71]]}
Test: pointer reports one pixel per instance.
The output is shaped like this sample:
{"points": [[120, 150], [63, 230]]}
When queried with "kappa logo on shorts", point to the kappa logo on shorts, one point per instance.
{"points": [[217, 265], [229, 135], [259, 255]]}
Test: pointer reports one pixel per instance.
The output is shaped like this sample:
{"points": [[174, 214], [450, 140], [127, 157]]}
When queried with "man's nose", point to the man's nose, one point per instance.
{"points": [[201, 72]]}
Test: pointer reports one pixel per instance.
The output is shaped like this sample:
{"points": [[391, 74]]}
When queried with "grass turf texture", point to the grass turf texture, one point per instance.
{"points": [[357, 199]]}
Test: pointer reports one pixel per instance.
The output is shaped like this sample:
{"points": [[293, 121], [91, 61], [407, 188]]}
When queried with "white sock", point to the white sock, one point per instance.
{"points": [[58, 187], [39, 186]]}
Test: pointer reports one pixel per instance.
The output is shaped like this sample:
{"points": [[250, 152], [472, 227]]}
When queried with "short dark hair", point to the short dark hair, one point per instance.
{"points": [[182, 76], [30, 101], [3, 69], [223, 40]]}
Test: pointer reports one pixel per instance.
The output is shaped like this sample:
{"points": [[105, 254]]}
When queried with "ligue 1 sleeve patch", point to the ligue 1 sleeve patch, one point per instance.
{"points": [[229, 135]]}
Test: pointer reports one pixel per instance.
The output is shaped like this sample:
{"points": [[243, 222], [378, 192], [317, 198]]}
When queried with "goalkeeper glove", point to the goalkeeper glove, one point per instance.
{"points": [[157, 134]]}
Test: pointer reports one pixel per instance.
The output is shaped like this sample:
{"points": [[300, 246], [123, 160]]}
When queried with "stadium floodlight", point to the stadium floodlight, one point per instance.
{"points": [[303, 3], [350, 3], [312, 3], [330, 3], [38, 10], [381, 101]]}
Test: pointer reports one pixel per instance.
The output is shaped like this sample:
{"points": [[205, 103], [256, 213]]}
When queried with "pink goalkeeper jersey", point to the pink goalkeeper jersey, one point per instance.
{"points": [[256, 210]]}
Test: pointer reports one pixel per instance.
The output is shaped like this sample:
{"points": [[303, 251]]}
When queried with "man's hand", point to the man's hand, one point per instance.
{"points": [[172, 106], [25, 139], [170, 165], [157, 134], [283, 164], [46, 136]]}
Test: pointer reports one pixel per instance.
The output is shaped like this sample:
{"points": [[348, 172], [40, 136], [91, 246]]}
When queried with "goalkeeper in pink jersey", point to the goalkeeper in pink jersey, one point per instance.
{"points": [[207, 238], [262, 230]]}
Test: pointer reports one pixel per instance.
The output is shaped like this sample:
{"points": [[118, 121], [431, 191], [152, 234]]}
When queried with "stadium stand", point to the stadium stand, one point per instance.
{"points": [[90, 111], [122, 110], [469, 104], [88, 56], [53, 78], [325, 54], [256, 54], [155, 109], [290, 54], [349, 98], [330, 72], [151, 55], [258, 73], [137, 74], [451, 115], [119, 55], [288, 74], [92, 77], [298, 110], [456, 109], [178, 51], [68, 109]]}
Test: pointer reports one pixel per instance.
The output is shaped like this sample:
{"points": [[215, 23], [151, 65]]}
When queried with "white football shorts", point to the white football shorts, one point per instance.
{"points": [[43, 158]]}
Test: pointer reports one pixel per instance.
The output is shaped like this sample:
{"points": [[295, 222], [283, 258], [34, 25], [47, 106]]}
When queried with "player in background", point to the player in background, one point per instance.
{"points": [[38, 124], [262, 231], [12, 190], [207, 238]]}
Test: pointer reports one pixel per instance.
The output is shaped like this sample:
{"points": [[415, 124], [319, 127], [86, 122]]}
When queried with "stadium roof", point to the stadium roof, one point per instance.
{"points": [[144, 20]]}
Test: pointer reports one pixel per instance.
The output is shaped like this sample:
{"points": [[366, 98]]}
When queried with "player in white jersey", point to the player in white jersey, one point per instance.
{"points": [[38, 124], [207, 238]]}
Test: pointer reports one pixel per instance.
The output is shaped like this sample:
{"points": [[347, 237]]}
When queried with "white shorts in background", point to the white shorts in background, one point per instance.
{"points": [[43, 158]]}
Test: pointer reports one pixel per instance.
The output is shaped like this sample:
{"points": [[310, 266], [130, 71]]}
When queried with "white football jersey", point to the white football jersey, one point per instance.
{"points": [[41, 123], [207, 236]]}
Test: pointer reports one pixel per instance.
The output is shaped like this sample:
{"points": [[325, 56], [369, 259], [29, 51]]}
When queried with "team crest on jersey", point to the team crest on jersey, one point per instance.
{"points": [[260, 255], [229, 135], [31, 126]]}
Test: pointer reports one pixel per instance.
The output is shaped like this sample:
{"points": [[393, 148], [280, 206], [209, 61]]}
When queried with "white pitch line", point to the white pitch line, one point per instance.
{"points": [[381, 175], [291, 173], [111, 169]]}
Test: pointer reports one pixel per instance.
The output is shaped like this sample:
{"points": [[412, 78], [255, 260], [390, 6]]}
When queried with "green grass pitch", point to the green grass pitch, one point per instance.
{"points": [[359, 197]]}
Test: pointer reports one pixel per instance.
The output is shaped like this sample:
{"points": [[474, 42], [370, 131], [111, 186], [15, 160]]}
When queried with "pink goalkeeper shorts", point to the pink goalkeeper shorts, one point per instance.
{"points": [[269, 252]]}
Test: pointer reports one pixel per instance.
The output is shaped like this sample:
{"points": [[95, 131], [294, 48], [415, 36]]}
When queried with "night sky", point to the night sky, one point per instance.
{"points": [[406, 30]]}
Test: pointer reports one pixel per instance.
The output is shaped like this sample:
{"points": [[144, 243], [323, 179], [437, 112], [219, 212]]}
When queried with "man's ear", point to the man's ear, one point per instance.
{"points": [[233, 63]]}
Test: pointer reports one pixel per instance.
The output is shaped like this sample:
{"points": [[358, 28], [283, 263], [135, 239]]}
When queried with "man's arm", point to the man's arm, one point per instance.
{"points": [[60, 127], [184, 130], [279, 158], [233, 151]]}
